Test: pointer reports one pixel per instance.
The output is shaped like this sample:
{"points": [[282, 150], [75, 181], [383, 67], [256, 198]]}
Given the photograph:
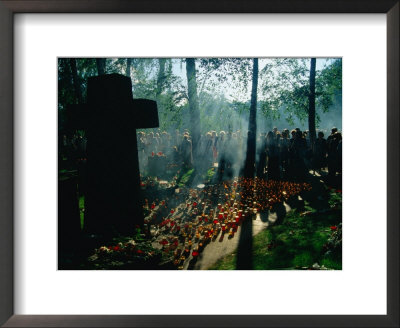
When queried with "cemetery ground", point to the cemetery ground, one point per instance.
{"points": [[304, 240], [302, 231]]}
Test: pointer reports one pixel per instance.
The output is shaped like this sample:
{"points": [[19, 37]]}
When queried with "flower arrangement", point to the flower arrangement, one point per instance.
{"points": [[334, 242], [125, 255]]}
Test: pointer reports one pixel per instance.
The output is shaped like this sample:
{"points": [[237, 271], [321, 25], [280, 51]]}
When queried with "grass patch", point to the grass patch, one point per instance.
{"points": [[185, 178], [299, 242], [209, 175]]}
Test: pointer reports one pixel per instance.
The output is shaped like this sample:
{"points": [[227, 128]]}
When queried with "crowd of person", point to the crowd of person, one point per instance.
{"points": [[280, 154], [291, 154], [211, 147]]}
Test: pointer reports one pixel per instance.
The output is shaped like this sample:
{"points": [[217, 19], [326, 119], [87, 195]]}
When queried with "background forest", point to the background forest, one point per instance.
{"points": [[223, 90]]}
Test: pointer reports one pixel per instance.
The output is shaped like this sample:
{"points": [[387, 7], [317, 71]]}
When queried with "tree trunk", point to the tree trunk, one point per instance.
{"points": [[311, 104], [76, 81], [101, 66], [128, 67], [249, 168], [160, 77], [193, 103]]}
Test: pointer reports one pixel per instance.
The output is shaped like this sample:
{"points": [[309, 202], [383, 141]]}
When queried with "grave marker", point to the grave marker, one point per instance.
{"points": [[113, 199]]}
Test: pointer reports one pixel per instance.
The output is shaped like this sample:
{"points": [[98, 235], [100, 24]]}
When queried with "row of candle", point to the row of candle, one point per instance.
{"points": [[240, 198]]}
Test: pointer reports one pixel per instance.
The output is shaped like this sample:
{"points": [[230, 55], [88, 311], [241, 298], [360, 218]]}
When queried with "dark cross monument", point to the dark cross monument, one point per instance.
{"points": [[113, 201]]}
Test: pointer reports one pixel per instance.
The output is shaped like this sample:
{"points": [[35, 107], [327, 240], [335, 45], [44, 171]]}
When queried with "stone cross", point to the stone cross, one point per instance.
{"points": [[113, 200]]}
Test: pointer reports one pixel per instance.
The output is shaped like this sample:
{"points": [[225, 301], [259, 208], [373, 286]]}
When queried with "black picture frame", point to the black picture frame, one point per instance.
{"points": [[7, 10]]}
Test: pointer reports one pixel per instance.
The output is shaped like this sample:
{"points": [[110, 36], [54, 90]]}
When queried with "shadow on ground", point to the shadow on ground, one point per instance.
{"points": [[245, 247], [317, 198]]}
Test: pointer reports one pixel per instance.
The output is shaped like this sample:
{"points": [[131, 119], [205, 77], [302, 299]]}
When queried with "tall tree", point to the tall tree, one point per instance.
{"points": [[311, 103], [249, 168], [160, 77], [76, 81], [101, 66], [193, 102], [292, 86], [128, 67]]}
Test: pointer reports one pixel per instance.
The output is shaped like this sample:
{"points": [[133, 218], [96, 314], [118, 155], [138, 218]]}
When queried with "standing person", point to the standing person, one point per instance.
{"points": [[236, 152], [284, 151], [187, 151], [221, 143], [336, 148], [176, 156], [278, 138], [293, 135], [330, 137], [320, 151], [291, 155], [308, 152], [275, 131], [332, 152], [213, 148], [176, 138], [156, 142], [262, 158], [141, 142], [200, 155], [273, 157], [339, 153], [163, 142], [298, 148], [306, 135], [150, 143], [208, 153]]}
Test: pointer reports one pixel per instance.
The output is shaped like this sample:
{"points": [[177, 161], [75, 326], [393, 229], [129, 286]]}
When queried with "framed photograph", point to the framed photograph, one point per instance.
{"points": [[182, 165]]}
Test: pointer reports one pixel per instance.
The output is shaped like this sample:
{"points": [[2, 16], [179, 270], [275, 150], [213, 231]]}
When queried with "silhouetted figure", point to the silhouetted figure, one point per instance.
{"points": [[208, 149], [332, 153], [297, 152], [335, 154], [262, 158], [339, 150], [214, 146], [284, 151], [320, 151], [273, 157], [187, 151]]}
